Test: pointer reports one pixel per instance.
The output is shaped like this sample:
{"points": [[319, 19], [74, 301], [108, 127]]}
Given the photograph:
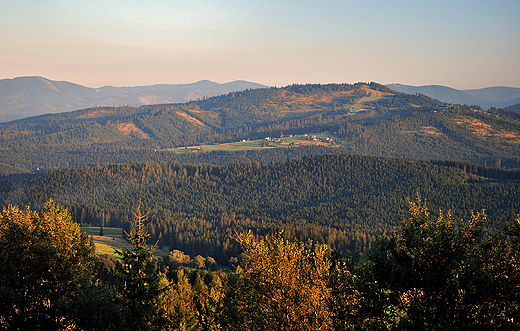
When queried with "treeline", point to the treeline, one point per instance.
{"points": [[8, 170], [45, 158], [343, 201], [431, 273]]}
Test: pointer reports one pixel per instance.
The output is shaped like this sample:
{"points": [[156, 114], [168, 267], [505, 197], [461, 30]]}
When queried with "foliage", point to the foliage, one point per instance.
{"points": [[193, 301], [430, 274], [44, 259], [448, 275], [357, 300], [281, 285], [96, 306]]}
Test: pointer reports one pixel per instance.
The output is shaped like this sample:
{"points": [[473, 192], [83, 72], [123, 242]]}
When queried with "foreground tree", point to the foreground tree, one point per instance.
{"points": [[44, 260], [281, 285], [358, 301], [141, 281], [443, 274], [194, 301]]}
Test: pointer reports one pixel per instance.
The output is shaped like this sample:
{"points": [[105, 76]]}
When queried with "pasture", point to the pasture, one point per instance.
{"points": [[113, 238], [280, 142]]}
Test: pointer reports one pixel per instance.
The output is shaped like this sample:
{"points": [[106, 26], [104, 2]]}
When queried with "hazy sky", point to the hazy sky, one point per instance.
{"points": [[461, 44]]}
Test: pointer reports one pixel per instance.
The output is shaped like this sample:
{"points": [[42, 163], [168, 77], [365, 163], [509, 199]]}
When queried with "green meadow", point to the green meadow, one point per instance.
{"points": [[107, 232], [280, 142]]}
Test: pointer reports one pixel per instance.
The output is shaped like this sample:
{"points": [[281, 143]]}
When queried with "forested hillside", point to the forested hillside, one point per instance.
{"points": [[370, 118], [343, 200], [310, 236]]}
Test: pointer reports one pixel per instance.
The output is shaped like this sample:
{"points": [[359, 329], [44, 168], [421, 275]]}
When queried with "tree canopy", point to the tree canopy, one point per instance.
{"points": [[43, 259]]}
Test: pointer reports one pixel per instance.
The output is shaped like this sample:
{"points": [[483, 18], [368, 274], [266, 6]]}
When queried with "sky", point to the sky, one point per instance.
{"points": [[456, 43]]}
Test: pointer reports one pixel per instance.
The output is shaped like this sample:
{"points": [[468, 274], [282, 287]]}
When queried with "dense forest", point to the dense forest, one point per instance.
{"points": [[341, 200], [371, 119]]}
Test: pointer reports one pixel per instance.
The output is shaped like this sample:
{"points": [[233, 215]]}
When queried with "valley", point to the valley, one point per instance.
{"points": [[260, 165]]}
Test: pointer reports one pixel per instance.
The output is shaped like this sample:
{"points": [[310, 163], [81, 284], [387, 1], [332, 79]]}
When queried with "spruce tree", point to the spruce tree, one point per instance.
{"points": [[139, 277]]}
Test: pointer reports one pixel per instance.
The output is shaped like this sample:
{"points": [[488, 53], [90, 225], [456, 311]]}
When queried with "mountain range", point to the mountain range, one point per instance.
{"points": [[23, 97], [368, 119], [31, 96], [498, 96]]}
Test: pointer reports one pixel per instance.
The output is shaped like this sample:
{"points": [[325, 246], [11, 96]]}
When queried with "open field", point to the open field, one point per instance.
{"points": [[107, 232], [113, 238], [106, 245], [280, 142]]}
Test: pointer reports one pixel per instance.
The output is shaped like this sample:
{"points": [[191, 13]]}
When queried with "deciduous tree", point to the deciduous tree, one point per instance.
{"points": [[282, 285], [44, 259], [447, 274]]}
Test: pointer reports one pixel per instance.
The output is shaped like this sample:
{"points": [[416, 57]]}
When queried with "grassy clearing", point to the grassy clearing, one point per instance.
{"points": [[106, 245], [107, 232], [359, 105], [113, 238], [280, 142]]}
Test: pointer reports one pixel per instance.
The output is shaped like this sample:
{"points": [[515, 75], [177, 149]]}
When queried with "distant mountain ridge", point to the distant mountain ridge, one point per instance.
{"points": [[31, 96], [498, 96]]}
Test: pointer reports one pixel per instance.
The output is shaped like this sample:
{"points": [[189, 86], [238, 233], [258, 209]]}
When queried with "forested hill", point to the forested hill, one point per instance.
{"points": [[341, 200], [247, 114], [370, 119]]}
